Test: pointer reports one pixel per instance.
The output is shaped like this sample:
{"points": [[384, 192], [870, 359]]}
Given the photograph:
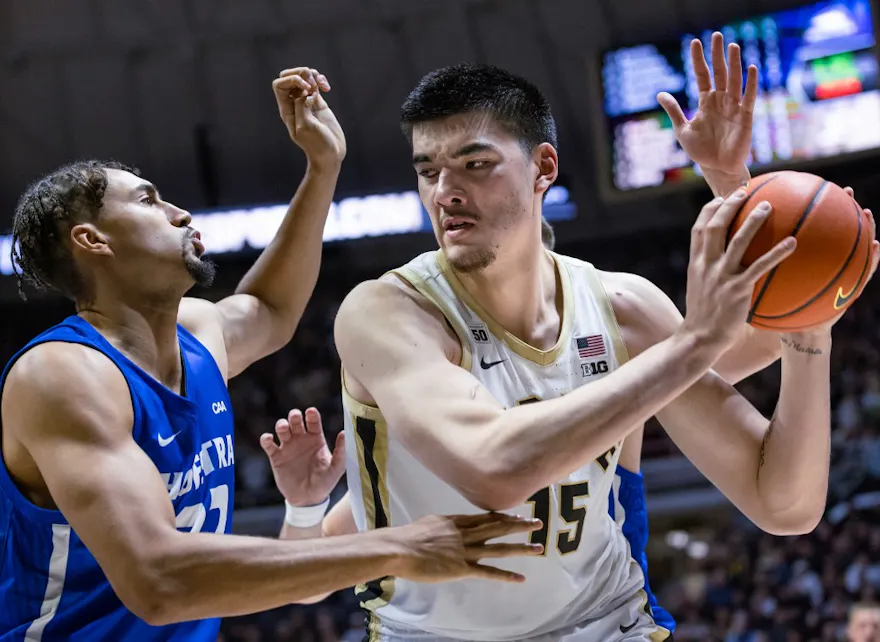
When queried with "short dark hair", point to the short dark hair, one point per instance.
{"points": [[46, 212], [517, 105]]}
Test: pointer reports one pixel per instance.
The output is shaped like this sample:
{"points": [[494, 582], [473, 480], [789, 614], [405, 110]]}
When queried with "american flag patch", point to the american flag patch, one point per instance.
{"points": [[591, 346]]}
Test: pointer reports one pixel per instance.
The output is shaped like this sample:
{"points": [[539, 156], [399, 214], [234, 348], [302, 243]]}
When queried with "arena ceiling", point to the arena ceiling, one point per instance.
{"points": [[181, 88]]}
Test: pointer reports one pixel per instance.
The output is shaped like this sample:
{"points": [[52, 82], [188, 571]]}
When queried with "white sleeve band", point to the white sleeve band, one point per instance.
{"points": [[305, 516]]}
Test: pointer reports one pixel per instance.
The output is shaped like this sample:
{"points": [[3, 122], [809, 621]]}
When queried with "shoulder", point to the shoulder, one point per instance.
{"points": [[203, 320], [646, 315], [388, 299], [389, 315], [65, 383]]}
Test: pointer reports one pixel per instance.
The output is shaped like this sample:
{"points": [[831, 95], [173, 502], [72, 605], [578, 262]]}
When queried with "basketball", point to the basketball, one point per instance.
{"points": [[830, 266]]}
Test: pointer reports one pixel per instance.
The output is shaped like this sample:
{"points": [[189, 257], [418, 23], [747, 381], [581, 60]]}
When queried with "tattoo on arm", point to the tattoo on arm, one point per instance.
{"points": [[798, 347]]}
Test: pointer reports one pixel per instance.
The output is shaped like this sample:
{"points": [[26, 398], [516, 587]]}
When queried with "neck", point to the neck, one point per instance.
{"points": [[144, 331], [520, 292]]}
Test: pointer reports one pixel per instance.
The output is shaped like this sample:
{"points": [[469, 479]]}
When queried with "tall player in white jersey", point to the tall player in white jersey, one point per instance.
{"points": [[443, 358]]}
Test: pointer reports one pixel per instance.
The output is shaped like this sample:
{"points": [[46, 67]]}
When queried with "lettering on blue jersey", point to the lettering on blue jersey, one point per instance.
{"points": [[218, 407], [181, 483]]}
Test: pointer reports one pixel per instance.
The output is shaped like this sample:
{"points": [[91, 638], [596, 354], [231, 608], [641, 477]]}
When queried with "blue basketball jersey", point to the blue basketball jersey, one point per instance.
{"points": [[627, 507], [51, 587]]}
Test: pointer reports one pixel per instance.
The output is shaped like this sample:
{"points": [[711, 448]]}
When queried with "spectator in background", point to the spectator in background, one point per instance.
{"points": [[864, 623]]}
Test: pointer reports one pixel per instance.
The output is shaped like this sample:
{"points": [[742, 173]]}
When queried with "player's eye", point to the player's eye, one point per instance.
{"points": [[428, 173], [477, 164]]}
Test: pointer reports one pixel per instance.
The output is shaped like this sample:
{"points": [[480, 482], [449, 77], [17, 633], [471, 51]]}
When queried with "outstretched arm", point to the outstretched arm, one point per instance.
{"points": [[262, 315], [70, 409]]}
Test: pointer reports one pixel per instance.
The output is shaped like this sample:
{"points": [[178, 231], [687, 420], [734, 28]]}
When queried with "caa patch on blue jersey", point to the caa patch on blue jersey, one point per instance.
{"points": [[52, 587]]}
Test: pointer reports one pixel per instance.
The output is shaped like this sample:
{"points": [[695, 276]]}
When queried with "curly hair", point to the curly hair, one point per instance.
{"points": [[517, 105], [44, 216]]}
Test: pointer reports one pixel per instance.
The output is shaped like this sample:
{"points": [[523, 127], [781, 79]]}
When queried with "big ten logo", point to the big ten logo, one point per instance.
{"points": [[594, 368]]}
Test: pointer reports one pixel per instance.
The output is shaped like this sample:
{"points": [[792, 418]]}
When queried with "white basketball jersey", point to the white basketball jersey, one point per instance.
{"points": [[586, 570]]}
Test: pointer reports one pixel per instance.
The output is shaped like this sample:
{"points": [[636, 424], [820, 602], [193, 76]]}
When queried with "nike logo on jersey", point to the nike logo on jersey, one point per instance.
{"points": [[164, 442], [491, 364], [627, 629]]}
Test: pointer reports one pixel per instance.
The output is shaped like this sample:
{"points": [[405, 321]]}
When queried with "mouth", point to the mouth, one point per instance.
{"points": [[196, 240], [455, 227]]}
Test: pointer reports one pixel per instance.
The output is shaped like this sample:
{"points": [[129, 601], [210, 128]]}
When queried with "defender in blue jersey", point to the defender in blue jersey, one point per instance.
{"points": [[116, 484]]}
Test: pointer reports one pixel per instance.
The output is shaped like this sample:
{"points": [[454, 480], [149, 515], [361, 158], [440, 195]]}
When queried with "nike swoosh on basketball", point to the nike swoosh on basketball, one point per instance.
{"points": [[164, 442], [627, 629], [842, 299], [486, 365]]}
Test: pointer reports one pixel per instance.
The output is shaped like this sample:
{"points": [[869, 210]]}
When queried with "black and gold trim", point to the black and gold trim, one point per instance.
{"points": [[371, 437], [517, 345], [660, 634]]}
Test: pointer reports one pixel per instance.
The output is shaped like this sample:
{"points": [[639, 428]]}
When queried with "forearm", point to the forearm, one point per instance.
{"points": [[796, 451], [291, 533], [285, 274], [207, 576], [722, 183], [541, 443]]}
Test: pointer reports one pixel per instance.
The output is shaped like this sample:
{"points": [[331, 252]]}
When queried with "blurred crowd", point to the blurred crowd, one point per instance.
{"points": [[750, 587]]}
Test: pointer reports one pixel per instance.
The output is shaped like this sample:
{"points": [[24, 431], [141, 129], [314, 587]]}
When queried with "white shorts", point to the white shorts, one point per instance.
{"points": [[630, 622]]}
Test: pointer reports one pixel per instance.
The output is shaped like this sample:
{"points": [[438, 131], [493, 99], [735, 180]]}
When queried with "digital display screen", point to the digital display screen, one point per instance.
{"points": [[818, 96]]}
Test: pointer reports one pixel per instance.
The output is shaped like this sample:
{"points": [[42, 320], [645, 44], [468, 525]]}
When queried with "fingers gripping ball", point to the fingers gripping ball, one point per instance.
{"points": [[831, 264]]}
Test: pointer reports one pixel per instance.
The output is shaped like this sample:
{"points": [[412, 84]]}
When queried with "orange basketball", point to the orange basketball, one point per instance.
{"points": [[829, 268]]}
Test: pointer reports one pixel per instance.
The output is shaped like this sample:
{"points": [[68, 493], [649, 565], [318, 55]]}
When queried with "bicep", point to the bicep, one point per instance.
{"points": [[720, 432], [394, 348], [78, 433], [238, 329]]}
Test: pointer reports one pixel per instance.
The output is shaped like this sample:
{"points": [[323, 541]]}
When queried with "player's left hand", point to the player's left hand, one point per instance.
{"points": [[305, 471], [719, 136], [307, 116]]}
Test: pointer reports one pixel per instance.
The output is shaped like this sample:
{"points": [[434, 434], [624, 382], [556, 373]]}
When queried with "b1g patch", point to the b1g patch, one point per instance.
{"points": [[594, 368]]}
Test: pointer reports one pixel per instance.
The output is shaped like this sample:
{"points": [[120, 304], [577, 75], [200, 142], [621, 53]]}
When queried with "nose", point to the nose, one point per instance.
{"points": [[449, 192], [179, 217]]}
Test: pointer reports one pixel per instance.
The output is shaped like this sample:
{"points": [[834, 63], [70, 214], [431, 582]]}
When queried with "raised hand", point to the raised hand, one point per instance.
{"points": [[438, 549], [719, 288], [309, 120], [719, 136], [305, 470]]}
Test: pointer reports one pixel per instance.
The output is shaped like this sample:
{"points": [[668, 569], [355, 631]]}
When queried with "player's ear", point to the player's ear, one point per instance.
{"points": [[88, 238], [547, 162]]}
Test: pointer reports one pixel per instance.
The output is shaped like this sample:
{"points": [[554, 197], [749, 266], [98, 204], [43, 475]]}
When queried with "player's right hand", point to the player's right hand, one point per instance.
{"points": [[438, 549], [719, 288]]}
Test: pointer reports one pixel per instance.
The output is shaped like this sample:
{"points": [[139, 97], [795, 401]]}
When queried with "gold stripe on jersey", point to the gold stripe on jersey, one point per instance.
{"points": [[416, 281], [662, 634], [517, 345], [371, 441], [600, 295]]}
